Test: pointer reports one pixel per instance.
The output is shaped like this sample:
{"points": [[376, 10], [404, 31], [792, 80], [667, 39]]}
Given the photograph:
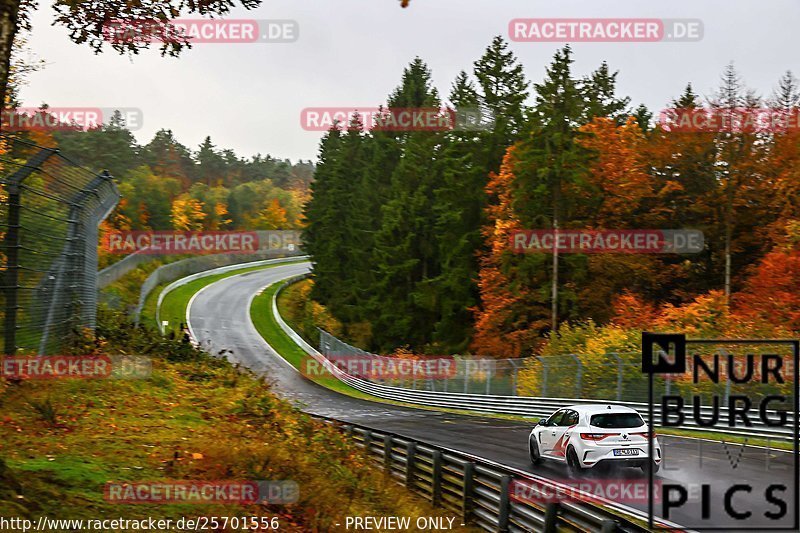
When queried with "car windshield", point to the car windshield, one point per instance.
{"points": [[617, 420]]}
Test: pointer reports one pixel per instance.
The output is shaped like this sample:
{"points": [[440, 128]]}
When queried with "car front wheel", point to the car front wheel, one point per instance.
{"points": [[533, 451]]}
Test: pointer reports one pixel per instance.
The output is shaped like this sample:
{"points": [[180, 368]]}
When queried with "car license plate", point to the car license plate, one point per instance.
{"points": [[627, 451]]}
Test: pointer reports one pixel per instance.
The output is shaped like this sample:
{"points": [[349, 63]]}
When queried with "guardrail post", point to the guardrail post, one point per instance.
{"points": [[436, 493], [368, 441], [348, 431], [387, 453], [505, 504], [411, 452], [609, 526], [551, 518], [469, 485]]}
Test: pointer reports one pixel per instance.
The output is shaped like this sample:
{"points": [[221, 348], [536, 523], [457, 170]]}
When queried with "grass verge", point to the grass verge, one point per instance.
{"points": [[193, 418]]}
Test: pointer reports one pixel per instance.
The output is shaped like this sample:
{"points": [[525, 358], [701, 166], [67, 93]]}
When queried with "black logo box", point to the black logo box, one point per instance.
{"points": [[674, 345]]}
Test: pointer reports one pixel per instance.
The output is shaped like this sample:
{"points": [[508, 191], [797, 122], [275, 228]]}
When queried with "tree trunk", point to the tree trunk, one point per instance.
{"points": [[9, 25]]}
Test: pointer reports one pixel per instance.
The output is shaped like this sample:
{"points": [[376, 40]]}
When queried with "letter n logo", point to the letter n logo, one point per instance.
{"points": [[670, 349]]}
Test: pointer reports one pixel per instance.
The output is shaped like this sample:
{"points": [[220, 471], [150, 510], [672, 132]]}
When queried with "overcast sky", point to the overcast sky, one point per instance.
{"points": [[248, 97]]}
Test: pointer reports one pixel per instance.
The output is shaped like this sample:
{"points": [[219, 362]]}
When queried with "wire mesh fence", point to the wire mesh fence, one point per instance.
{"points": [[610, 376], [50, 209]]}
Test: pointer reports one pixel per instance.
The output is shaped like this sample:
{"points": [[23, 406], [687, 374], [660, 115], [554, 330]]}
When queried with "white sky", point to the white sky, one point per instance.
{"points": [[248, 97]]}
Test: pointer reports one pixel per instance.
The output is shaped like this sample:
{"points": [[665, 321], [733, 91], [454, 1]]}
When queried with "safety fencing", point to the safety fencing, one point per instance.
{"points": [[482, 493], [529, 406], [50, 210], [268, 240]]}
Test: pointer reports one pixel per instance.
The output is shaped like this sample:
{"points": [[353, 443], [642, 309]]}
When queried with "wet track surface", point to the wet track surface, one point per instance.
{"points": [[219, 318]]}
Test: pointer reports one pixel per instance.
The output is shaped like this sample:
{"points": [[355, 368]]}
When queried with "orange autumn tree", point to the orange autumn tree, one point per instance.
{"points": [[618, 180], [616, 188], [273, 216], [771, 295], [500, 328]]}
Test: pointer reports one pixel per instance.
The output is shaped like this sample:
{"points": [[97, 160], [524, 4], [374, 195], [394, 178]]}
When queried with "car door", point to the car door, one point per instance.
{"points": [[548, 436], [562, 434]]}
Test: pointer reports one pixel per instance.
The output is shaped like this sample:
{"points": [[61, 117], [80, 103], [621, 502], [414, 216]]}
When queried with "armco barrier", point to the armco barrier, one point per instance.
{"points": [[213, 272], [479, 491], [172, 271], [516, 405]]}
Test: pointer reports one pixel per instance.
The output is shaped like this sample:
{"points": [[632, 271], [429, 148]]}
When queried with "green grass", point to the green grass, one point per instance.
{"points": [[173, 307], [196, 418], [267, 326]]}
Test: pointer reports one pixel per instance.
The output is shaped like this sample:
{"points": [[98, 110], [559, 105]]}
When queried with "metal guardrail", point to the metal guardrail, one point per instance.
{"points": [[185, 267], [267, 240], [515, 405], [213, 272], [479, 491]]}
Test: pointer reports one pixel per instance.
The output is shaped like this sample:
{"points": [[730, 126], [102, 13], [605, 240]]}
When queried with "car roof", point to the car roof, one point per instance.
{"points": [[601, 408]]}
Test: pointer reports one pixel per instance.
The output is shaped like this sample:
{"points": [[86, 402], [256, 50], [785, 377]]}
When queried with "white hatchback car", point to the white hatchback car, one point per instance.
{"points": [[584, 436]]}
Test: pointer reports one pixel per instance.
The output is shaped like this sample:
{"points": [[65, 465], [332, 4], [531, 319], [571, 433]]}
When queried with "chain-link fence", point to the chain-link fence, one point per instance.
{"points": [[50, 209], [610, 376], [270, 242]]}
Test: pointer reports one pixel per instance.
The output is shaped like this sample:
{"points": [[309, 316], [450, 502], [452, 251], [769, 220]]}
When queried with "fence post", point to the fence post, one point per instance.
{"points": [[544, 374], [505, 504], [436, 493], [387, 453], [411, 452], [469, 484], [578, 375], [12, 245], [551, 518], [466, 375], [619, 376]]}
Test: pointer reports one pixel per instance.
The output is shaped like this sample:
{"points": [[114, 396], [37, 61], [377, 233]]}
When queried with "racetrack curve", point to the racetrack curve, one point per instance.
{"points": [[219, 318]]}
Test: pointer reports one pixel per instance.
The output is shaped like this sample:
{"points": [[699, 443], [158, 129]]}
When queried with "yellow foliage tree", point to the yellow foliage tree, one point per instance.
{"points": [[187, 214]]}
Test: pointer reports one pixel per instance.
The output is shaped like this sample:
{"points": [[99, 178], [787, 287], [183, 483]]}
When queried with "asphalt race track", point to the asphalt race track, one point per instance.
{"points": [[219, 319]]}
